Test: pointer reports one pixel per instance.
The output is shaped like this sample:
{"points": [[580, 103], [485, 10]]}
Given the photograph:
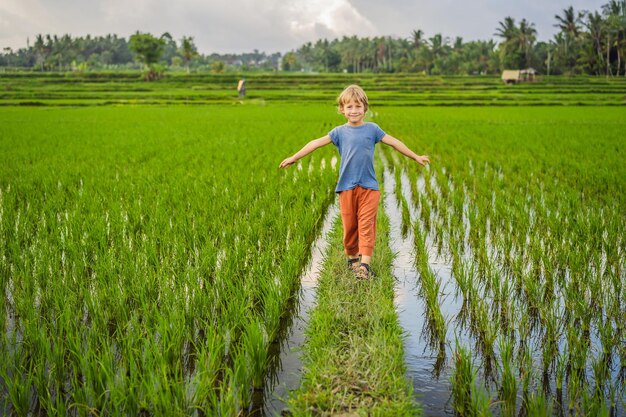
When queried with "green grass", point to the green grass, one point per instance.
{"points": [[353, 356]]}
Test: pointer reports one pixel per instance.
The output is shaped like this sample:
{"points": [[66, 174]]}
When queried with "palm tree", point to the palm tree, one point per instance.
{"points": [[527, 35], [439, 50], [40, 50], [353, 46], [403, 47], [305, 55], [569, 24], [615, 12], [364, 51], [419, 49], [596, 28], [437, 44], [8, 51], [417, 38], [509, 32], [188, 50]]}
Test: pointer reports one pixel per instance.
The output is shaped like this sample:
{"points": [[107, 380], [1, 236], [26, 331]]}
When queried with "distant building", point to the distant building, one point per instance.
{"points": [[517, 76]]}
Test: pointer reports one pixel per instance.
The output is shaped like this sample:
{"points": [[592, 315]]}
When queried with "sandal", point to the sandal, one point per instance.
{"points": [[364, 272], [353, 265]]}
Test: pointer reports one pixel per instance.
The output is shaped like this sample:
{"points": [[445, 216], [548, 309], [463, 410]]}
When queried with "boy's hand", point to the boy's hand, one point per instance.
{"points": [[422, 160], [287, 162]]}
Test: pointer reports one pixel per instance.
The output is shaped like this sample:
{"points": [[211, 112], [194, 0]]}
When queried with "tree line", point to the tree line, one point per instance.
{"points": [[140, 50], [587, 42]]}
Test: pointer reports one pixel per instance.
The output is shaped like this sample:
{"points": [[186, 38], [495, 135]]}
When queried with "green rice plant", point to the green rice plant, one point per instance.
{"points": [[425, 211], [406, 217], [273, 306], [482, 403], [504, 300], [178, 213], [43, 388], [436, 323], [538, 405], [228, 403], [464, 277], [463, 381], [533, 301], [601, 374], [485, 331], [521, 232], [255, 347], [526, 373], [560, 372], [397, 180], [575, 380], [18, 383], [607, 335], [421, 252], [508, 380], [205, 380], [468, 398], [139, 253], [595, 405], [552, 331]]}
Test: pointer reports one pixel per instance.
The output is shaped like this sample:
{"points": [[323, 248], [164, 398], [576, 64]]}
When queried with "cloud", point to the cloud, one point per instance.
{"points": [[273, 25], [473, 20], [276, 25], [18, 16], [224, 26], [326, 18]]}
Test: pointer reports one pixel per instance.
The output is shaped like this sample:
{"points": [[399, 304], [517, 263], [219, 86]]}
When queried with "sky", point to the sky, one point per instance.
{"points": [[237, 26]]}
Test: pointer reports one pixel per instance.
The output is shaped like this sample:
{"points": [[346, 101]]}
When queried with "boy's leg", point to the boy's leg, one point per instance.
{"points": [[366, 220], [347, 207], [366, 214]]}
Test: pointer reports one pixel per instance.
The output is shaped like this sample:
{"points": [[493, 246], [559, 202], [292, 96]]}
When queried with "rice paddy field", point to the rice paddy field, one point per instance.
{"points": [[151, 251], [80, 89]]}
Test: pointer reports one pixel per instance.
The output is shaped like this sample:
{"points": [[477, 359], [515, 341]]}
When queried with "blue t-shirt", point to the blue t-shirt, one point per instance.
{"points": [[356, 150]]}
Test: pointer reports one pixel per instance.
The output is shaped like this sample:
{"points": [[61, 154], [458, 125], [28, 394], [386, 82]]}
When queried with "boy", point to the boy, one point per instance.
{"points": [[357, 186]]}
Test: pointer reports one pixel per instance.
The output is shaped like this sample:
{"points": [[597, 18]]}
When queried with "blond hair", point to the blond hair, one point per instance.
{"points": [[352, 92]]}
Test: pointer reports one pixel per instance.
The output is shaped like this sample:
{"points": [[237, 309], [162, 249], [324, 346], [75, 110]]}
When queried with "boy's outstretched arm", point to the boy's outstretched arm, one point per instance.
{"points": [[403, 149], [307, 149]]}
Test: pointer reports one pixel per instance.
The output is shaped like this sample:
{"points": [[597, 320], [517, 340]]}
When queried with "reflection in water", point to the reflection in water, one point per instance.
{"points": [[285, 369], [425, 362], [481, 310]]}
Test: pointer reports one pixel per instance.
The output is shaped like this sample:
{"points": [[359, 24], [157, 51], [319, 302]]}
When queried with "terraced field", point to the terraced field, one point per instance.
{"points": [[405, 90]]}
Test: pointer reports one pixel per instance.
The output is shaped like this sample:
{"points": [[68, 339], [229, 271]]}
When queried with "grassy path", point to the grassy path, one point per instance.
{"points": [[353, 358]]}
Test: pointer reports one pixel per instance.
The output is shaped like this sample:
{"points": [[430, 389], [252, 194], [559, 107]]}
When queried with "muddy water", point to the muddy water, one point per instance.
{"points": [[287, 370]]}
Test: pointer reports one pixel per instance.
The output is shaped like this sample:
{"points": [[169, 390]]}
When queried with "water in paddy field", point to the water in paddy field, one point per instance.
{"points": [[432, 392], [287, 366], [428, 367]]}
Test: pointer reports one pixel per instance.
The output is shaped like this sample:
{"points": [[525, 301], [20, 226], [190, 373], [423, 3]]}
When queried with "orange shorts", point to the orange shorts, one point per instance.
{"points": [[358, 214]]}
